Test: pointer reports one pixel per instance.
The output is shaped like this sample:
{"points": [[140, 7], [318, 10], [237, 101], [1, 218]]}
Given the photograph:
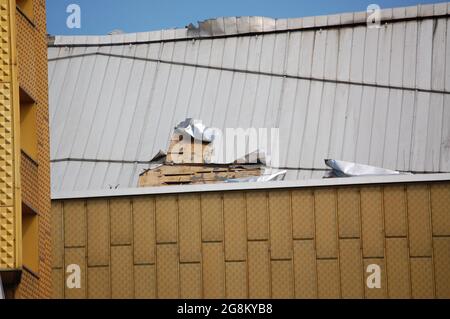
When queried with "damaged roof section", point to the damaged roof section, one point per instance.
{"points": [[333, 87]]}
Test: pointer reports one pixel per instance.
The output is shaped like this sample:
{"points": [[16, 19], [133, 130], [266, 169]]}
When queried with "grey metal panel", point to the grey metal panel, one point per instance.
{"points": [[124, 107]]}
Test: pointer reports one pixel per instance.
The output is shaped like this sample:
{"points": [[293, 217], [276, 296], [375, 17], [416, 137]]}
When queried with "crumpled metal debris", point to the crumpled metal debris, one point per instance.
{"points": [[348, 169], [196, 129]]}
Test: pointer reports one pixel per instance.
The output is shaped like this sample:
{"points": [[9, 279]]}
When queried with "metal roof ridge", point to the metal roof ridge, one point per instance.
{"points": [[235, 26]]}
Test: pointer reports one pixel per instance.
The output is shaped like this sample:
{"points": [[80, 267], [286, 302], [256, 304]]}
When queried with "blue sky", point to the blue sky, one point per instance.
{"points": [[103, 16]]}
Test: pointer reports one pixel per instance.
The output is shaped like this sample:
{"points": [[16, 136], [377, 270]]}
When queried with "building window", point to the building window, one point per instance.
{"points": [[30, 239], [28, 125], [26, 7]]}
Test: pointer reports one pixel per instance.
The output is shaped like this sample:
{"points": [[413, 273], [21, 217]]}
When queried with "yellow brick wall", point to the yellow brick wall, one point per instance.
{"points": [[33, 78], [300, 243]]}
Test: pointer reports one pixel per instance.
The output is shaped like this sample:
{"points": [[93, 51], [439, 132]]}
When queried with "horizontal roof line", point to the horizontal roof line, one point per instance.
{"points": [[357, 19], [189, 189], [280, 75]]}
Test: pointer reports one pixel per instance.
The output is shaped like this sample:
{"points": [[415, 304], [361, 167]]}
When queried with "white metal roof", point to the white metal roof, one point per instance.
{"points": [[335, 88]]}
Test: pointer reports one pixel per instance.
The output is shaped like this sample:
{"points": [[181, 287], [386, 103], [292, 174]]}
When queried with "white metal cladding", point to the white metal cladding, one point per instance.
{"points": [[335, 88]]}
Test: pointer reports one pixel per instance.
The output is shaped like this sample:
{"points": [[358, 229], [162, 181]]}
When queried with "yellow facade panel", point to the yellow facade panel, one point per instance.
{"points": [[57, 236], [258, 270], [212, 217], [120, 212], [305, 270], [442, 267], [236, 280], [57, 284], [395, 211], [348, 213], [144, 230], [280, 225], [419, 221], [257, 216], [190, 281], [351, 267], [98, 233], [398, 274], [122, 272], [282, 279], [328, 286], [326, 223], [372, 222], [234, 217], [440, 206], [166, 219], [422, 281], [167, 271], [76, 257], [370, 291], [190, 236], [213, 271], [99, 283], [303, 214], [144, 282], [74, 224]]}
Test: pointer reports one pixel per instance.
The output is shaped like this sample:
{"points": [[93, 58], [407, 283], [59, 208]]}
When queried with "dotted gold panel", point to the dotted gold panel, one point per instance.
{"points": [[213, 271], [397, 260], [440, 205], [29, 182], [442, 267], [326, 224], [120, 212], [257, 216], [57, 236], [328, 279], [395, 211], [280, 225], [348, 213], [191, 281], [259, 270], [190, 228], [98, 283], [167, 271], [375, 293], [235, 230], [305, 269], [144, 230], [303, 214], [372, 222], [7, 233], [236, 280], [282, 279], [144, 282], [212, 218], [58, 284], [351, 265], [419, 221], [98, 233], [74, 224], [166, 219], [76, 256], [6, 146], [122, 272], [422, 282]]}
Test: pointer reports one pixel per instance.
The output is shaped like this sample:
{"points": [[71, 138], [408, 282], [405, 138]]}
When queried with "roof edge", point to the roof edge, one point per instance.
{"points": [[166, 190], [232, 26]]}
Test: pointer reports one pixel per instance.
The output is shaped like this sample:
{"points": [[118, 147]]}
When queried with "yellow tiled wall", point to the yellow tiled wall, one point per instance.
{"points": [[301, 243]]}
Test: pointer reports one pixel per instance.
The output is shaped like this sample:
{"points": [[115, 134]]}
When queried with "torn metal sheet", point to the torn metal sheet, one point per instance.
{"points": [[275, 177], [196, 129], [348, 169]]}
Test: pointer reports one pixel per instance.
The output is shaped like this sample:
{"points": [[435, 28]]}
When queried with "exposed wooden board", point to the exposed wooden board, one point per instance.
{"points": [[441, 262]]}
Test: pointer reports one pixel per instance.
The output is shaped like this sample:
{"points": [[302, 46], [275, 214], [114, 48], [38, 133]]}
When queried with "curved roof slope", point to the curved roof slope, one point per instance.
{"points": [[335, 88]]}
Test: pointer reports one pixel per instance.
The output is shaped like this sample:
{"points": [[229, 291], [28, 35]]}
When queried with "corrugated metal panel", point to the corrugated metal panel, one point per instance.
{"points": [[374, 108]]}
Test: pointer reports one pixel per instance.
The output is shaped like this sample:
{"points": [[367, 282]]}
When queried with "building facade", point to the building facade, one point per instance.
{"points": [[25, 253]]}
